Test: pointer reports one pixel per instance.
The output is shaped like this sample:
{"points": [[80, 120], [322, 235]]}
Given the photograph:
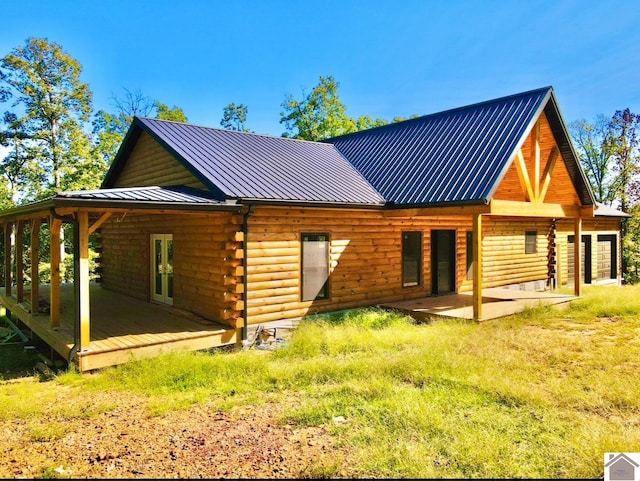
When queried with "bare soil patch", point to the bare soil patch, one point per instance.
{"points": [[195, 443]]}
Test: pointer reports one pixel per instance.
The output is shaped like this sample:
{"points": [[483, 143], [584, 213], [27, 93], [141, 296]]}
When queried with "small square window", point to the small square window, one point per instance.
{"points": [[530, 246]]}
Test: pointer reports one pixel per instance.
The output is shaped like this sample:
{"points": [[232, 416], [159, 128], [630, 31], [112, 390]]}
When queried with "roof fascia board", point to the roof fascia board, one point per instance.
{"points": [[574, 155], [100, 204], [26, 211]]}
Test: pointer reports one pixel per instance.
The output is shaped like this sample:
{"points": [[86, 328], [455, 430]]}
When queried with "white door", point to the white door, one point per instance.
{"points": [[162, 268]]}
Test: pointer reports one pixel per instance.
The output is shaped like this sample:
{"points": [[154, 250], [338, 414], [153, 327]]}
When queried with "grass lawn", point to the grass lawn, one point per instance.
{"points": [[540, 395]]}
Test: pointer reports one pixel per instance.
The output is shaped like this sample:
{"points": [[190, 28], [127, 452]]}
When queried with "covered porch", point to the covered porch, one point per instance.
{"points": [[496, 303], [122, 328], [91, 326]]}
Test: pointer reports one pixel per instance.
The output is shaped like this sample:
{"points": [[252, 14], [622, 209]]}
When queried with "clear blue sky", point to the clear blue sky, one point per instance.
{"points": [[391, 58]]}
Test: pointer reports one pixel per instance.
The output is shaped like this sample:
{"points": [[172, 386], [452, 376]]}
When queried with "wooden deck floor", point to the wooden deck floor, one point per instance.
{"points": [[496, 302], [122, 328]]}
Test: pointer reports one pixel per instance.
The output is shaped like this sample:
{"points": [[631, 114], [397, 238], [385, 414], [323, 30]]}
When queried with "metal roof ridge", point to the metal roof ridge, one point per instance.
{"points": [[232, 132], [442, 113]]}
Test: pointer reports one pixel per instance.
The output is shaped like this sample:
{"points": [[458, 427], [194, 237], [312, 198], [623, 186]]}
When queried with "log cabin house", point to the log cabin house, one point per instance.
{"points": [[203, 232]]}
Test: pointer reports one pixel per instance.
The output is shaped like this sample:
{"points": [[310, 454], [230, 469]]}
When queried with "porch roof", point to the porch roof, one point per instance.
{"points": [[155, 197], [603, 210]]}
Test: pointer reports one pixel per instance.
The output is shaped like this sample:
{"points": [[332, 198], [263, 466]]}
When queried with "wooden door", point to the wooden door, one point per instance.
{"points": [[162, 268]]}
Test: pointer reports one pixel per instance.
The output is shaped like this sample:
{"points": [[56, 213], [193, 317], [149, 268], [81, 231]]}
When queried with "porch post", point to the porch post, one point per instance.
{"points": [[54, 286], [8, 227], [477, 267], [20, 261], [577, 255], [83, 279], [35, 271]]}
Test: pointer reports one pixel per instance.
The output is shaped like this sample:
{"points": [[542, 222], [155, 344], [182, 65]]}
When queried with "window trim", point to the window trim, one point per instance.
{"points": [[527, 243], [420, 259], [326, 288], [469, 247]]}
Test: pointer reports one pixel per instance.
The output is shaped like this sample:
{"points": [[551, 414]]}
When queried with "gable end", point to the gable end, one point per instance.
{"points": [[144, 159]]}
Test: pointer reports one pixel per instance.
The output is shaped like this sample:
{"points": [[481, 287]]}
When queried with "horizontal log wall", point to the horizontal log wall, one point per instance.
{"points": [[150, 164], [365, 255], [504, 259], [207, 260], [590, 227]]}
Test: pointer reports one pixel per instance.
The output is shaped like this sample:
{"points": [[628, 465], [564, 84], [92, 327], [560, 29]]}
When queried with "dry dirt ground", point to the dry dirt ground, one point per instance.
{"points": [[197, 443]]}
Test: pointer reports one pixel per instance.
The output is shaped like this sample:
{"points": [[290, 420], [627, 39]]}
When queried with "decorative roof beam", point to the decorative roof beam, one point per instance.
{"points": [[535, 139], [548, 169], [523, 176]]}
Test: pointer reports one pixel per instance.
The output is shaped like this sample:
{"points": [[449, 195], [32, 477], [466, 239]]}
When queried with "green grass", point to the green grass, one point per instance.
{"points": [[539, 395]]}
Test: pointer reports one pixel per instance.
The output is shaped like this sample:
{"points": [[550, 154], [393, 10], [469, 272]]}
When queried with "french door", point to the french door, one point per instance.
{"points": [[162, 268]]}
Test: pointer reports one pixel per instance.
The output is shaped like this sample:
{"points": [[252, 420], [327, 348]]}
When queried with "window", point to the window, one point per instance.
{"points": [[470, 255], [530, 246], [411, 258], [315, 267]]}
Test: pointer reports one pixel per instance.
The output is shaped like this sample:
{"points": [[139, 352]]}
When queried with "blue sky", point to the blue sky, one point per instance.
{"points": [[391, 58]]}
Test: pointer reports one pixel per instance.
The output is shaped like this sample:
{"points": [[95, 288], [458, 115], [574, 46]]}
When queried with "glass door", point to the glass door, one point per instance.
{"points": [[162, 268]]}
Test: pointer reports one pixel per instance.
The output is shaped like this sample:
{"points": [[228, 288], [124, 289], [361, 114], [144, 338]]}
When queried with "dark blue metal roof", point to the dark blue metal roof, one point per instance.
{"points": [[456, 156], [250, 166], [153, 196]]}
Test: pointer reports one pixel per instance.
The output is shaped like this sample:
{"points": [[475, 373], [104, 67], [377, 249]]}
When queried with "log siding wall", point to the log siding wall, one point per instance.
{"points": [[365, 259], [207, 260], [504, 259], [590, 227], [150, 164]]}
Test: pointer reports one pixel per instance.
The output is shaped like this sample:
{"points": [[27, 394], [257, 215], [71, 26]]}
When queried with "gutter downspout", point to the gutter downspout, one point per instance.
{"points": [[245, 231], [76, 274]]}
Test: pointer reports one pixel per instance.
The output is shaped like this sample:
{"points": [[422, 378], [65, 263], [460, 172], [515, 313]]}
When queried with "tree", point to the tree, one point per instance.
{"points": [[625, 126], [402, 119], [109, 129], [52, 106], [18, 169], [595, 145], [365, 122], [174, 114], [631, 247], [234, 117], [318, 115]]}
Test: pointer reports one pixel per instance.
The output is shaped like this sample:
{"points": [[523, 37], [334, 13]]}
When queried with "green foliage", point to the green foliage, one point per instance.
{"points": [[595, 145], [321, 114], [44, 133], [609, 153], [402, 119], [365, 122], [109, 128], [234, 117], [536, 396], [175, 114], [625, 126], [318, 115], [631, 246]]}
